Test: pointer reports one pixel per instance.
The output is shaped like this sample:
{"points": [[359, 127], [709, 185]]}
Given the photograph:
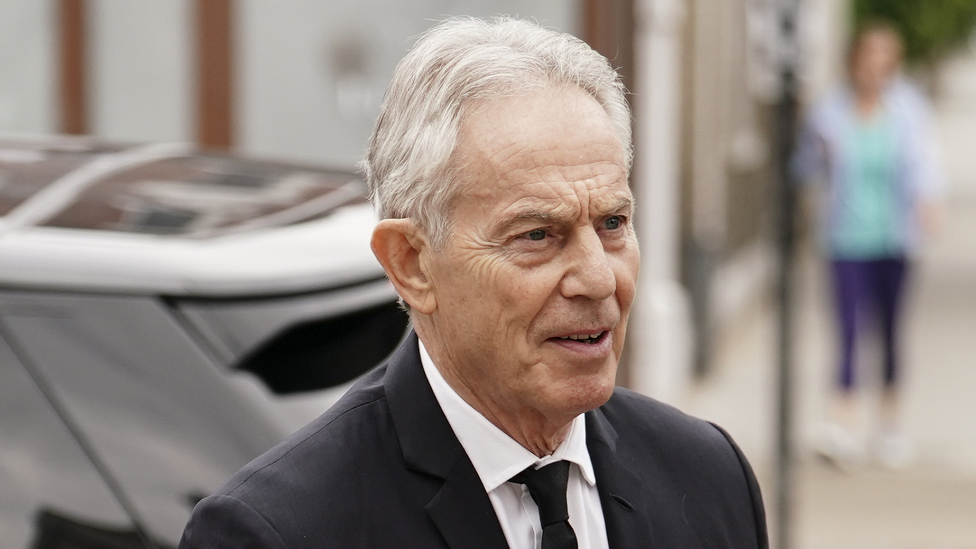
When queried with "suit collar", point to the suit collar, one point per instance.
{"points": [[461, 506], [620, 491], [428, 443], [461, 509]]}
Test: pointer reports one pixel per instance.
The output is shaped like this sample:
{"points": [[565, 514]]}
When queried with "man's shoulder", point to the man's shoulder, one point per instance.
{"points": [[319, 452], [693, 465], [639, 411], [641, 423], [309, 484], [344, 480]]}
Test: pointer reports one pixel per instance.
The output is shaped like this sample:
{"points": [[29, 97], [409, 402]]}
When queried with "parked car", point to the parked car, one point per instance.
{"points": [[166, 315]]}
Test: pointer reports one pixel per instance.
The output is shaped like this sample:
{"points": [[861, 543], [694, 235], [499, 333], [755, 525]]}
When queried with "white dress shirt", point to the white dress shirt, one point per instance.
{"points": [[497, 457]]}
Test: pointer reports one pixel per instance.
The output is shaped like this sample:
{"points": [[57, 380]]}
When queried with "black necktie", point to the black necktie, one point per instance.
{"points": [[547, 485]]}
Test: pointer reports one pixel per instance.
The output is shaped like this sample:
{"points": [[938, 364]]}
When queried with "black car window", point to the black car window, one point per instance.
{"points": [[327, 352], [51, 496], [301, 343]]}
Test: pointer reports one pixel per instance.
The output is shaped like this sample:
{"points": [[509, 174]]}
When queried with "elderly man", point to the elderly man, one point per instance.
{"points": [[499, 166]]}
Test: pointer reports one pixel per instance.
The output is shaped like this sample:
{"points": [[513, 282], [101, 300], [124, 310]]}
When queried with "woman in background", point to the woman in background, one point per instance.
{"points": [[870, 141]]}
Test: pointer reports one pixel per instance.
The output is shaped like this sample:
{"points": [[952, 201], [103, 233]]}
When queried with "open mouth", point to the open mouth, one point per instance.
{"points": [[590, 339]]}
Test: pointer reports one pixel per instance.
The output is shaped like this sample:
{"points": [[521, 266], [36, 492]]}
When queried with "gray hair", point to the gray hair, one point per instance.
{"points": [[409, 164]]}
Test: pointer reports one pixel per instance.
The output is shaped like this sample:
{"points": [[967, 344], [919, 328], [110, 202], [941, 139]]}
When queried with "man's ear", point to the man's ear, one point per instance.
{"points": [[397, 244]]}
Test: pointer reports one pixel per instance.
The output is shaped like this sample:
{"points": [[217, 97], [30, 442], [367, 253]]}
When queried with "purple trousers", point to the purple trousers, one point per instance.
{"points": [[869, 293]]}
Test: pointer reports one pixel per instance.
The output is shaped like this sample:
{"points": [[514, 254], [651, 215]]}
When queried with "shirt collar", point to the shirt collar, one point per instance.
{"points": [[496, 456]]}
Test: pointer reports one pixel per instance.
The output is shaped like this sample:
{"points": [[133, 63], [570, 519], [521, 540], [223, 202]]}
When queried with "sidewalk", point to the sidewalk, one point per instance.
{"points": [[932, 504]]}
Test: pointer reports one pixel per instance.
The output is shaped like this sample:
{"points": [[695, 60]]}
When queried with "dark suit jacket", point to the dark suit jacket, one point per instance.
{"points": [[383, 469]]}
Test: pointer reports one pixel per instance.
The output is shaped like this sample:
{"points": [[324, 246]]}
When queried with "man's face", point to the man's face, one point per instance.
{"points": [[541, 257]]}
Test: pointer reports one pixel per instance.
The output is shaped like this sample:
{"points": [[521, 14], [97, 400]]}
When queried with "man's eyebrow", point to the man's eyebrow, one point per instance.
{"points": [[620, 204], [617, 205], [533, 215], [541, 217]]}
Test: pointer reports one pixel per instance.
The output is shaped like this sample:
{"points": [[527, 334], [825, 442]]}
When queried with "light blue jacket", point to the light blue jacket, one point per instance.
{"points": [[821, 154]]}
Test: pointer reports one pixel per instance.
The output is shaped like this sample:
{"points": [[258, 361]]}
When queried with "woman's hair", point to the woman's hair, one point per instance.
{"points": [[409, 166]]}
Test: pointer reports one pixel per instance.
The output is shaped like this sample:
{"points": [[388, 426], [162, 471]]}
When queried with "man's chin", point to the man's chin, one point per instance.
{"points": [[588, 393]]}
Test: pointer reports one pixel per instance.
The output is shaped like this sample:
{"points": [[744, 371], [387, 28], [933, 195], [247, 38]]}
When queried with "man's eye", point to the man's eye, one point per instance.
{"points": [[613, 222], [538, 234]]}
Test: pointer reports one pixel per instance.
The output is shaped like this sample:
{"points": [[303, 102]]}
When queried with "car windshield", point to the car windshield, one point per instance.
{"points": [[27, 167], [163, 189], [203, 195]]}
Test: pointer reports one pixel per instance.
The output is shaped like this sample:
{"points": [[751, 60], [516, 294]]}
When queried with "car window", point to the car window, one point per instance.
{"points": [[50, 493], [302, 343], [169, 423], [327, 352]]}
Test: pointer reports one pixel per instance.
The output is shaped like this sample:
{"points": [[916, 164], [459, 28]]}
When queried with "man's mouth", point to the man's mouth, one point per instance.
{"points": [[584, 338]]}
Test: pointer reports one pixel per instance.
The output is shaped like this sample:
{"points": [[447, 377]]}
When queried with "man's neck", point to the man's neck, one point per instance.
{"points": [[532, 429]]}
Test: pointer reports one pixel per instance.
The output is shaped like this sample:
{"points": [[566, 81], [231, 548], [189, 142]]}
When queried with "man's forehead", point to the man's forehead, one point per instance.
{"points": [[540, 119], [543, 154]]}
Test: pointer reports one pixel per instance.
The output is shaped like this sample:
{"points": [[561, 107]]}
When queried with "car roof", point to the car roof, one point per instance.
{"points": [[82, 215]]}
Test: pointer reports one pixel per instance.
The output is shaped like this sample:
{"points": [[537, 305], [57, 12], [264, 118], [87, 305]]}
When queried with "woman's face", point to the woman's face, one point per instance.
{"points": [[875, 61]]}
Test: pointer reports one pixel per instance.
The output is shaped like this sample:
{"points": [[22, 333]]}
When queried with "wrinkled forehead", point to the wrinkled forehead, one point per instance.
{"points": [[538, 128]]}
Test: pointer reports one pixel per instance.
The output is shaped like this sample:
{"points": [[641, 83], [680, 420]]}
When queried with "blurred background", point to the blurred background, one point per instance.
{"points": [[301, 81]]}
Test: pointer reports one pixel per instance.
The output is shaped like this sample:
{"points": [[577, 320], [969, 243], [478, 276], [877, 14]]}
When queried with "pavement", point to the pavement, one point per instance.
{"points": [[931, 504]]}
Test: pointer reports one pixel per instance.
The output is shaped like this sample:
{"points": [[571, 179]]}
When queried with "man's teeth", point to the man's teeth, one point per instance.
{"points": [[583, 337]]}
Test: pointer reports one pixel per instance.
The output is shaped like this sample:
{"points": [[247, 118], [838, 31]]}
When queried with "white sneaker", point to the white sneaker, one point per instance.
{"points": [[893, 450], [840, 448]]}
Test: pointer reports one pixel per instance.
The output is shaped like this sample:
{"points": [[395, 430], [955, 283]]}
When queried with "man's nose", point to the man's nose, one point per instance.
{"points": [[589, 273]]}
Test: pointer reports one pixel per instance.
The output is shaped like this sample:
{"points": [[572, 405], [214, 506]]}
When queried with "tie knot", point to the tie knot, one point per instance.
{"points": [[547, 485]]}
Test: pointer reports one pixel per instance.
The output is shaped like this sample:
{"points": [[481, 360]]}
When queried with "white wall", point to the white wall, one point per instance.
{"points": [[311, 73], [140, 70], [28, 93], [824, 33]]}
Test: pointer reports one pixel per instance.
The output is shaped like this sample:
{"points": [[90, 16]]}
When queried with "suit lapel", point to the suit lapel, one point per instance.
{"points": [[463, 513], [620, 491], [460, 509]]}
